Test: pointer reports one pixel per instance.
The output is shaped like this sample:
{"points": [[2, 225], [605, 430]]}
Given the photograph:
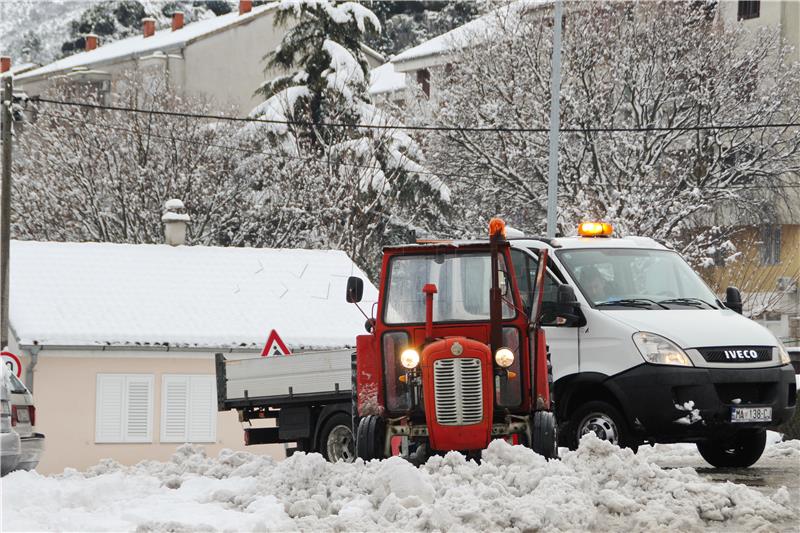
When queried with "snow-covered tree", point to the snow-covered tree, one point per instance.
{"points": [[361, 181], [625, 65], [100, 175]]}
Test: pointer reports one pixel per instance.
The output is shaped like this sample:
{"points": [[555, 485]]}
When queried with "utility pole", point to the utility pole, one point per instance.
{"points": [[5, 205], [555, 123]]}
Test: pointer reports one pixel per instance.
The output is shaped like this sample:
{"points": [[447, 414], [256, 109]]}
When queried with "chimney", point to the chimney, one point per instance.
{"points": [[5, 64], [91, 42], [177, 20], [245, 6], [148, 27], [175, 220]]}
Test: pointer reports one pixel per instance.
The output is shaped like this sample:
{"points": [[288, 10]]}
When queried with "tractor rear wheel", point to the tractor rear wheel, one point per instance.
{"points": [[545, 440], [371, 438]]}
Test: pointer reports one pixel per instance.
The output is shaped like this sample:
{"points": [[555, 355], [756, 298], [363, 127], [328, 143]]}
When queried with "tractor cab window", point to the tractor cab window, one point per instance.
{"points": [[525, 267], [462, 280]]}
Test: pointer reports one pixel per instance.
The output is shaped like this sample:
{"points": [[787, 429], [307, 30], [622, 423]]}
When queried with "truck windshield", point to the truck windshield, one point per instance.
{"points": [[637, 278], [462, 280]]}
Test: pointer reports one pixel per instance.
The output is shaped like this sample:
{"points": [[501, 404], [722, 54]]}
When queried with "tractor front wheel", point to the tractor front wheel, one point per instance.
{"points": [[545, 440], [371, 438]]}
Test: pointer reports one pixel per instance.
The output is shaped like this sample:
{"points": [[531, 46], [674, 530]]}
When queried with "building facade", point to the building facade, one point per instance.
{"points": [[117, 341], [220, 57]]}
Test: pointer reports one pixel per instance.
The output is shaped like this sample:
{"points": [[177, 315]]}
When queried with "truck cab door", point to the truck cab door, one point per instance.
{"points": [[561, 340]]}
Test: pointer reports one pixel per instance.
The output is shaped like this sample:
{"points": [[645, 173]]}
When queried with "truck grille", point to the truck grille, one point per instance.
{"points": [[737, 354], [458, 389]]}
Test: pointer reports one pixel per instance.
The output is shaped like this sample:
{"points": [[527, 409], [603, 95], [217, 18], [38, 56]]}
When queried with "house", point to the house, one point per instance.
{"points": [[221, 57], [117, 341], [419, 64]]}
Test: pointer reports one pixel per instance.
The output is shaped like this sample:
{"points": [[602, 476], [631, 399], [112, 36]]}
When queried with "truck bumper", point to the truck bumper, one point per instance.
{"points": [[651, 395]]}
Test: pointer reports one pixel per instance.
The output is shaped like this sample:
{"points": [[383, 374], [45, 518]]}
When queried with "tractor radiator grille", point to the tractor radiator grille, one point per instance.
{"points": [[458, 391]]}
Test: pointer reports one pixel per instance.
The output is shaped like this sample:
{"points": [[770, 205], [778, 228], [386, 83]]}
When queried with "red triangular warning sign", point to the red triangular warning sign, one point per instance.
{"points": [[275, 346]]}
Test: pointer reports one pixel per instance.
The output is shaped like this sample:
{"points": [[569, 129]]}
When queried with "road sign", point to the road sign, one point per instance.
{"points": [[12, 362], [275, 346]]}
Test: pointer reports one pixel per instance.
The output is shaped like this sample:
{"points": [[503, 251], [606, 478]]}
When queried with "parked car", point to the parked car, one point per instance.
{"points": [[9, 439], [23, 419]]}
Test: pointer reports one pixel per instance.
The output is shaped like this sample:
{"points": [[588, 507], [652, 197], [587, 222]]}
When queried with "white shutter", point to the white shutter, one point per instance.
{"points": [[188, 408], [174, 407], [124, 410], [203, 409], [109, 409], [139, 408]]}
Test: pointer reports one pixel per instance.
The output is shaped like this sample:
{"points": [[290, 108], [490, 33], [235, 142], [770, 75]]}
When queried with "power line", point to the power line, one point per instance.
{"points": [[285, 156], [471, 129]]}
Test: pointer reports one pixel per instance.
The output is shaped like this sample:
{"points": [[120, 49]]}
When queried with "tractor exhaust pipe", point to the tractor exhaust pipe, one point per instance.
{"points": [[497, 236]]}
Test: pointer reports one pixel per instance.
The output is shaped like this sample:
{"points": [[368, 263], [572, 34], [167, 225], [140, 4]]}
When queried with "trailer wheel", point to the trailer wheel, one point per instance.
{"points": [[371, 438], [545, 440], [336, 439], [742, 450]]}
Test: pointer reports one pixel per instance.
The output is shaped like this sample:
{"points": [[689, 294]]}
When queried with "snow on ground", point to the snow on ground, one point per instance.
{"points": [[598, 487]]}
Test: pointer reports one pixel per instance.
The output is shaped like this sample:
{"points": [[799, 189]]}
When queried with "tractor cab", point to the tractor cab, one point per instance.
{"points": [[455, 356]]}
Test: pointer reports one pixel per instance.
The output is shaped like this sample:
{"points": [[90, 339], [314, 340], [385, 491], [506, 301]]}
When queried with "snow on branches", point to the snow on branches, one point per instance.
{"points": [[364, 187], [625, 65]]}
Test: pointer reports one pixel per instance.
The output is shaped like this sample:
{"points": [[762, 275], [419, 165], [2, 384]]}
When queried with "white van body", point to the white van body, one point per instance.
{"points": [[731, 379]]}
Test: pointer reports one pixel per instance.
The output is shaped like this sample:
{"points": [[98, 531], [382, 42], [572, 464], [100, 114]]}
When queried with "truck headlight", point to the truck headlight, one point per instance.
{"points": [[409, 358], [504, 357], [783, 355], [659, 350]]}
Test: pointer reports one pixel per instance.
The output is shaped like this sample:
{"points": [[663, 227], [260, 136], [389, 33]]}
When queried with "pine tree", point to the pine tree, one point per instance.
{"points": [[366, 186]]}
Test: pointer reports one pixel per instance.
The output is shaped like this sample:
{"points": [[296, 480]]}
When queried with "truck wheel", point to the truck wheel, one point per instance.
{"points": [[336, 439], [545, 441], [371, 438], [742, 450], [602, 419]]}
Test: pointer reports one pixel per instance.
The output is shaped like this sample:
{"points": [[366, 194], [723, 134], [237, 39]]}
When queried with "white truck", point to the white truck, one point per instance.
{"points": [[642, 352]]}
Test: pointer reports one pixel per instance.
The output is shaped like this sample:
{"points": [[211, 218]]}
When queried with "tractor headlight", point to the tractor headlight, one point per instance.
{"points": [[783, 355], [660, 350], [409, 358], [504, 357]]}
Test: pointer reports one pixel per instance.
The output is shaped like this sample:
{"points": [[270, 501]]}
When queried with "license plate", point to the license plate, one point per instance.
{"points": [[751, 414], [23, 415]]}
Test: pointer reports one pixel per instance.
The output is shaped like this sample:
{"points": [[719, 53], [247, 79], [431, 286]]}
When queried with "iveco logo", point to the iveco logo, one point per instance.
{"points": [[456, 348], [741, 354]]}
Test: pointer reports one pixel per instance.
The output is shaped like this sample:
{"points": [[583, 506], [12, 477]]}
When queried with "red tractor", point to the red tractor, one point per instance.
{"points": [[455, 356]]}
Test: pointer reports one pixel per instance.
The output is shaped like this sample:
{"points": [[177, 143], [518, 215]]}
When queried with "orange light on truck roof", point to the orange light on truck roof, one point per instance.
{"points": [[595, 229]]}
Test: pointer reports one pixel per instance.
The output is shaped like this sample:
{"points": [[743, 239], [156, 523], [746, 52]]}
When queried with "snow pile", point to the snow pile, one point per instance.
{"points": [[597, 487], [784, 450]]}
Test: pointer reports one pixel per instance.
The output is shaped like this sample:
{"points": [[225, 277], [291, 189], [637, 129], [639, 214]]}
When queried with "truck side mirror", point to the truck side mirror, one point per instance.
{"points": [[568, 312], [733, 299], [355, 289]]}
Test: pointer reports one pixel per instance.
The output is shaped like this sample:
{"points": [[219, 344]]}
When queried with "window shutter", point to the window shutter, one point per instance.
{"points": [[188, 409], [109, 409], [174, 406], [124, 410], [202, 410], [139, 412]]}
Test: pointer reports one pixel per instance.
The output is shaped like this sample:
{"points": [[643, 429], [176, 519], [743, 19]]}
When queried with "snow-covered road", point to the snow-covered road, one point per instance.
{"points": [[598, 487]]}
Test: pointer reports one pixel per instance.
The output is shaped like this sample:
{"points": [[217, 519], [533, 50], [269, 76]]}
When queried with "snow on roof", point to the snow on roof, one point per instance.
{"points": [[385, 79], [138, 45], [482, 25], [82, 294]]}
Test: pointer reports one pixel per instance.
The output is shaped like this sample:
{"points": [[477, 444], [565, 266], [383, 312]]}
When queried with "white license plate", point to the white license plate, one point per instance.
{"points": [[751, 414]]}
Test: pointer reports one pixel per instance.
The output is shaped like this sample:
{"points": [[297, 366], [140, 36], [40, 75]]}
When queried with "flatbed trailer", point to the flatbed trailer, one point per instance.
{"points": [[308, 395]]}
